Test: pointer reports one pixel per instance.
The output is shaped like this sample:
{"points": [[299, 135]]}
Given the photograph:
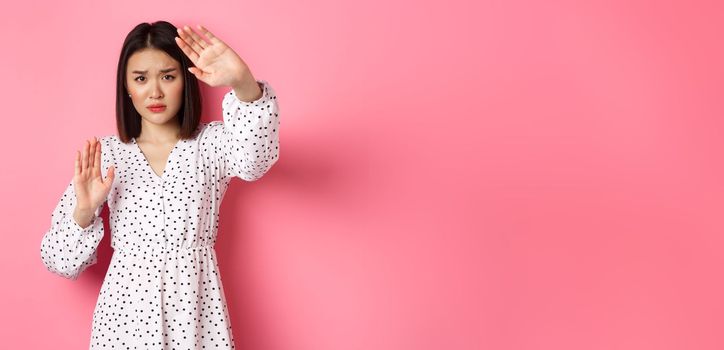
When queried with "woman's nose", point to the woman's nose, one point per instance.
{"points": [[156, 91]]}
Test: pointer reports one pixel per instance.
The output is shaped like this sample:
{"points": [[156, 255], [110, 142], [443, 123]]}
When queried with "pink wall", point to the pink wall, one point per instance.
{"points": [[454, 175]]}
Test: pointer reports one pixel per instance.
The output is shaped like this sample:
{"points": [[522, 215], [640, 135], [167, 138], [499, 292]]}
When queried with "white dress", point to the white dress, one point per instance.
{"points": [[163, 289]]}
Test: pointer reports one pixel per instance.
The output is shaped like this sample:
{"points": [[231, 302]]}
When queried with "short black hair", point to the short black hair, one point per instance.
{"points": [[157, 35]]}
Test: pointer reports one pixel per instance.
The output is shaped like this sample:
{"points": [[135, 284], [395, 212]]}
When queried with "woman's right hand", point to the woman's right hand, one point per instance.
{"points": [[90, 188]]}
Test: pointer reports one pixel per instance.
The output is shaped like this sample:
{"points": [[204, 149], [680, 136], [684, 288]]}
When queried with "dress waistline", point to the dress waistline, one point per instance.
{"points": [[158, 249]]}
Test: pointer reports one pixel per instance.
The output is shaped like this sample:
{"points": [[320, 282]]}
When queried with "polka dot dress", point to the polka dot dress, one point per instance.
{"points": [[163, 289]]}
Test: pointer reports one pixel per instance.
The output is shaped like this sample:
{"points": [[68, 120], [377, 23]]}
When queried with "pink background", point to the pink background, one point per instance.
{"points": [[453, 175]]}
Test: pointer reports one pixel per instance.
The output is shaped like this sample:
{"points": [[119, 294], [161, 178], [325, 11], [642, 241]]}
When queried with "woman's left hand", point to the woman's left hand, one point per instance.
{"points": [[216, 64]]}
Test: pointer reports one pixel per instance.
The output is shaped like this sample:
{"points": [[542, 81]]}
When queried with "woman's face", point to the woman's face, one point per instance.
{"points": [[153, 77]]}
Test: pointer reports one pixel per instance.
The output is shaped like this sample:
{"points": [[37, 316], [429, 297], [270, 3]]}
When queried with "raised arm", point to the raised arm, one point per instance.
{"points": [[67, 248], [246, 143]]}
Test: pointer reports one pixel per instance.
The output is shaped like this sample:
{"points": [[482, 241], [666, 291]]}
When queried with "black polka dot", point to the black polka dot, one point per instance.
{"points": [[163, 288]]}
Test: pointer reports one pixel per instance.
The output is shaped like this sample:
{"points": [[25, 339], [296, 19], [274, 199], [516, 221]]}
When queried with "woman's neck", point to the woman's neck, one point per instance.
{"points": [[159, 134]]}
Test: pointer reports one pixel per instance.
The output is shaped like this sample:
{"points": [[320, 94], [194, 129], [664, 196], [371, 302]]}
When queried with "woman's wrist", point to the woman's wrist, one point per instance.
{"points": [[248, 90], [83, 216]]}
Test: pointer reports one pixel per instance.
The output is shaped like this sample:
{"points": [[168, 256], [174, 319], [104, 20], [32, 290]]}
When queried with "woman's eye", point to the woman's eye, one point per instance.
{"points": [[167, 75]]}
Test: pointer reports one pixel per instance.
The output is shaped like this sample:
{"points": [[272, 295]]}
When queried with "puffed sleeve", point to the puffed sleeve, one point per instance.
{"points": [[66, 248], [249, 135]]}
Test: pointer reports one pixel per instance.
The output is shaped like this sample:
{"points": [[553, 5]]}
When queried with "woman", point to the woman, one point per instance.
{"points": [[166, 175]]}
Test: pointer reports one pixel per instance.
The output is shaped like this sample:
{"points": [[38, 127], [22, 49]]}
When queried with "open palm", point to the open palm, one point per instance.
{"points": [[216, 64], [90, 188]]}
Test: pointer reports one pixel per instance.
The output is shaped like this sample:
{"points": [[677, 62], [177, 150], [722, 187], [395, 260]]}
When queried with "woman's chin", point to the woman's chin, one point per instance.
{"points": [[159, 118]]}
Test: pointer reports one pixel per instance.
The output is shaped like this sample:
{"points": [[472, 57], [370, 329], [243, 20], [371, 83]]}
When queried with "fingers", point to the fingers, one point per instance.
{"points": [[110, 175], [193, 56], [89, 160], [77, 163], [197, 42], [84, 157], [193, 44], [212, 38], [197, 72], [92, 155], [189, 45], [97, 162]]}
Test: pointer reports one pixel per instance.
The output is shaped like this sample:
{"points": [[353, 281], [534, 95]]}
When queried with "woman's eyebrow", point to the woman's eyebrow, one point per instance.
{"points": [[162, 71]]}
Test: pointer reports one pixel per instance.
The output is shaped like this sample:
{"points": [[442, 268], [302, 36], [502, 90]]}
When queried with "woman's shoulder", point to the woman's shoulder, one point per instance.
{"points": [[209, 128], [107, 139], [211, 124], [110, 141]]}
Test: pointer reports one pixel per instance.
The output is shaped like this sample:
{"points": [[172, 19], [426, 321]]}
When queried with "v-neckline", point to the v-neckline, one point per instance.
{"points": [[148, 164]]}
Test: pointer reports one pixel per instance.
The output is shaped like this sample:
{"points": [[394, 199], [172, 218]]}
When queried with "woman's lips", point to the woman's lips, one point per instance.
{"points": [[157, 109]]}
